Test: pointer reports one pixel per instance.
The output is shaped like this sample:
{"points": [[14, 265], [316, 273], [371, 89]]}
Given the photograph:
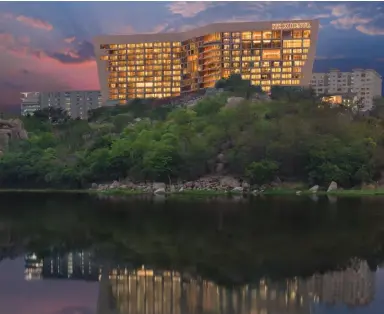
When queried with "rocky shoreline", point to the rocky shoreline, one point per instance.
{"points": [[209, 184]]}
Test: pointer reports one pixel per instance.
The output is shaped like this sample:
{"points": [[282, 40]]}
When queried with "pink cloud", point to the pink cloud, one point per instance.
{"points": [[70, 39], [160, 28], [189, 9], [370, 30], [74, 75], [47, 73], [28, 21], [6, 39], [24, 40], [340, 10], [126, 30], [350, 21], [35, 23]]}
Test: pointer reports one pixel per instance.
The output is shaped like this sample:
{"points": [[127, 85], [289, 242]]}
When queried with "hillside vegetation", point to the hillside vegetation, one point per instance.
{"points": [[293, 136]]}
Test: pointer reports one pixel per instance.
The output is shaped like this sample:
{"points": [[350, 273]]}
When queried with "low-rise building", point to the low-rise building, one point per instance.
{"points": [[365, 85], [76, 103]]}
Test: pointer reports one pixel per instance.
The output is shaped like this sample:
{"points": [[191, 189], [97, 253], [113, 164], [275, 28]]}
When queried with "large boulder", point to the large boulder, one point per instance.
{"points": [[158, 185], [332, 187], [115, 185], [314, 189], [11, 130], [234, 101], [229, 182]]}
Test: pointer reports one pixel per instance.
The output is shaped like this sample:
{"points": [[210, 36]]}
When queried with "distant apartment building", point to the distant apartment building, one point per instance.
{"points": [[30, 102], [76, 103], [360, 84]]}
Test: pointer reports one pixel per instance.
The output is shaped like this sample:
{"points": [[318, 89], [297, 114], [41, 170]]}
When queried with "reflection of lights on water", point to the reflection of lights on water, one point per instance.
{"points": [[32, 274]]}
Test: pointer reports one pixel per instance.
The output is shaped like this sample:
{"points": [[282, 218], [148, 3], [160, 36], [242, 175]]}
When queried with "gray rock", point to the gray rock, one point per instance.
{"points": [[181, 189], [238, 189], [115, 185], [245, 185], [332, 187], [160, 191], [229, 182], [314, 189], [94, 186], [189, 184], [298, 192], [234, 101], [11, 130], [158, 185]]}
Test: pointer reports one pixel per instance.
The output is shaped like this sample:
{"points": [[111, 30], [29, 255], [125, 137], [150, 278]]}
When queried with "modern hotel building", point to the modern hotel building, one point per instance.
{"points": [[174, 64]]}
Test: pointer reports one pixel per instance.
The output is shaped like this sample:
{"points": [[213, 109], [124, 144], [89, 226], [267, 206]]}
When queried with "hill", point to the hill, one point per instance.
{"points": [[293, 136]]}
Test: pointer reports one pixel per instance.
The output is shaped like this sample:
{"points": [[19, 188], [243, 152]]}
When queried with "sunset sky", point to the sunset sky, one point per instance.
{"points": [[47, 45]]}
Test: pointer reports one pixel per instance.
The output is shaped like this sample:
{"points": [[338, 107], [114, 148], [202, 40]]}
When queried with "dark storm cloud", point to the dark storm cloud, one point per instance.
{"points": [[82, 52]]}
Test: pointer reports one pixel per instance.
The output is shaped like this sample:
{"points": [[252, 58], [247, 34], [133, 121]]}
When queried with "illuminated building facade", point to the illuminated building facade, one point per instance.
{"points": [[174, 64]]}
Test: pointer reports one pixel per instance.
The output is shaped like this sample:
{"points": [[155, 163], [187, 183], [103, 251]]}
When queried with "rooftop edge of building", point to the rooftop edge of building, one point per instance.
{"points": [[332, 70], [199, 31], [63, 91]]}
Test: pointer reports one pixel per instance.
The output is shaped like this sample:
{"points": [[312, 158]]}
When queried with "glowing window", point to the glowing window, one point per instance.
{"points": [[297, 34], [267, 35], [295, 43], [246, 35], [271, 54]]}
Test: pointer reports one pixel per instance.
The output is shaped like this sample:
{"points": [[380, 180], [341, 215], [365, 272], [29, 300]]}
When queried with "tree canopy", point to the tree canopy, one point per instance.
{"points": [[293, 136]]}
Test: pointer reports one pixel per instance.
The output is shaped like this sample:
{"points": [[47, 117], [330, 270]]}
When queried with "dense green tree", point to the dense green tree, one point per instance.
{"points": [[263, 171], [293, 136]]}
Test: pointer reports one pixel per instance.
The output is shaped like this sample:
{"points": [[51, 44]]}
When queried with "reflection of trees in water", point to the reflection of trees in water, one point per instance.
{"points": [[145, 291]]}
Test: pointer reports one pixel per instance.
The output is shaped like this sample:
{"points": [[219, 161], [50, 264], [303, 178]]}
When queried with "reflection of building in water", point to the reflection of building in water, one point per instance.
{"points": [[353, 286], [145, 291], [33, 267], [73, 265]]}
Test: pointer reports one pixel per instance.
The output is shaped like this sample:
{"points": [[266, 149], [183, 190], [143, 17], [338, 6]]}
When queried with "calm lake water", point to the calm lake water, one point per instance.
{"points": [[76, 254]]}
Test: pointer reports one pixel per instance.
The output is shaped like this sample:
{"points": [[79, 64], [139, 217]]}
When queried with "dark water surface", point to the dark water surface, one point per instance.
{"points": [[76, 254]]}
